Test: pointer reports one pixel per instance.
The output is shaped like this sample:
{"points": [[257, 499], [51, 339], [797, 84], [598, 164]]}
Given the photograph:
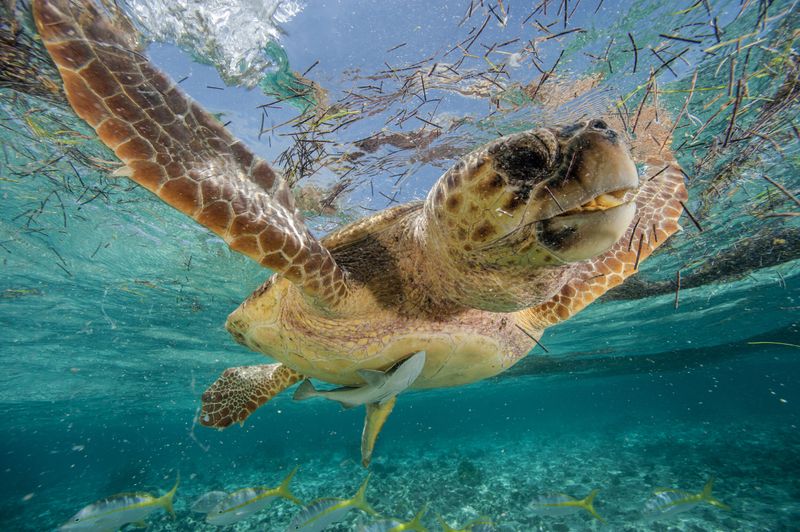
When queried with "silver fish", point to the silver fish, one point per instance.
{"points": [[322, 513], [380, 386], [118, 510], [243, 503], [208, 501]]}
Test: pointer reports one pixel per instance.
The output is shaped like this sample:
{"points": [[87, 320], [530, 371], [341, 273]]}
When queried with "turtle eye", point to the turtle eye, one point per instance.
{"points": [[598, 125]]}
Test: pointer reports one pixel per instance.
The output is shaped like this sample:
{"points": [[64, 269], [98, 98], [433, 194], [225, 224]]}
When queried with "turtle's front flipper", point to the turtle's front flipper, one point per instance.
{"points": [[175, 149], [238, 392], [373, 423]]}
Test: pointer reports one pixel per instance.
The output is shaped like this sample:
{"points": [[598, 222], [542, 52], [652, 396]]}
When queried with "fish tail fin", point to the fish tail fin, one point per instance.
{"points": [[359, 500], [284, 490], [708, 487], [166, 499], [373, 423], [416, 523], [304, 391], [588, 505], [707, 497]]}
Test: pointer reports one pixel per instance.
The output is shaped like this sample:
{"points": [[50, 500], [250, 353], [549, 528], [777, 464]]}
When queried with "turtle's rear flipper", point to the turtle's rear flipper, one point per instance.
{"points": [[238, 392], [373, 423]]}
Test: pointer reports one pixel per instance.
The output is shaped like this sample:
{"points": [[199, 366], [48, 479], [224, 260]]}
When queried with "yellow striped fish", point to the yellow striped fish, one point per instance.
{"points": [[322, 513], [243, 503], [113, 512], [558, 504], [668, 502]]}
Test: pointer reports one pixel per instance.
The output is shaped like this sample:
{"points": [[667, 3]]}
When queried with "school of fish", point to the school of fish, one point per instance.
{"points": [[227, 508]]}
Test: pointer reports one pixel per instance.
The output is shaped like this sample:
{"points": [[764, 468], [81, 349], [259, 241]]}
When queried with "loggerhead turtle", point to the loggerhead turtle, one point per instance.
{"points": [[518, 235]]}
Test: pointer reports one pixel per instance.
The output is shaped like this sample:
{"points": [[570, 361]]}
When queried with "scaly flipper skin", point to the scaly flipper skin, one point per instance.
{"points": [[178, 151], [238, 392]]}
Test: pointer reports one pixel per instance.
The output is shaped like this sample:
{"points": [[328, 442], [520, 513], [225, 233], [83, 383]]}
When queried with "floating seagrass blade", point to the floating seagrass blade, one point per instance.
{"points": [[177, 150]]}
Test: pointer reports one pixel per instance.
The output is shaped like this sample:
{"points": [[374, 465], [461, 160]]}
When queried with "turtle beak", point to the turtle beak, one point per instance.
{"points": [[587, 205], [582, 236]]}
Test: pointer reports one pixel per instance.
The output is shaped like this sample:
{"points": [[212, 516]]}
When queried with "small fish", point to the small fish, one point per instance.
{"points": [[322, 513], [380, 386], [480, 524], [666, 503], [243, 503], [113, 512], [208, 501], [561, 504], [393, 525]]}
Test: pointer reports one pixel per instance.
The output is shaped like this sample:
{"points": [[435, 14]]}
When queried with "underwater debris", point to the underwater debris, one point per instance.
{"points": [[418, 81], [691, 217], [24, 67], [784, 344], [768, 247], [411, 140], [14, 293], [284, 84], [535, 340], [784, 190]]}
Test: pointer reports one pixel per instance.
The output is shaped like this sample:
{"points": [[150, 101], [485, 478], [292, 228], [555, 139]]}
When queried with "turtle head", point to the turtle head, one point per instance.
{"points": [[547, 196]]}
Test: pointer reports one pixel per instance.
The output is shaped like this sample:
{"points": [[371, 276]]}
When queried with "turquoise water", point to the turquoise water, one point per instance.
{"points": [[112, 304]]}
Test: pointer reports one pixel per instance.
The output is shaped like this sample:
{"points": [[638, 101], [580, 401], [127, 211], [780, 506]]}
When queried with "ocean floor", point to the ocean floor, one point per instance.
{"points": [[491, 475], [482, 450]]}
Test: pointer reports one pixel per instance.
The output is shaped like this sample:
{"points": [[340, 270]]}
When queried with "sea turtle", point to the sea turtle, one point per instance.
{"points": [[518, 235]]}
